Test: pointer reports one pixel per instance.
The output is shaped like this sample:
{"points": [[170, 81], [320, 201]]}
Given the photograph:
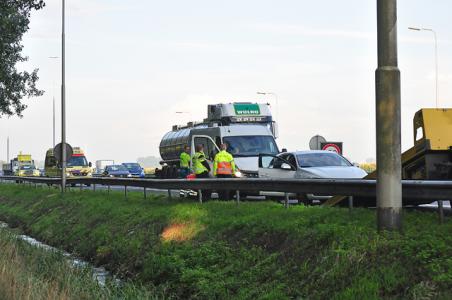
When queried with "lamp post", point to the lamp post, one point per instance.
{"points": [[436, 57], [7, 150], [63, 102], [388, 124], [53, 105], [276, 101]]}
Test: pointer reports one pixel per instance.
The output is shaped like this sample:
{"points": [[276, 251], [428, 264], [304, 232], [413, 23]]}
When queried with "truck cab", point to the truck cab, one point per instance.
{"points": [[247, 129]]}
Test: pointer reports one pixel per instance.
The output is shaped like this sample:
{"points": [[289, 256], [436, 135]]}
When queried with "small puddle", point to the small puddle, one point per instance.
{"points": [[99, 274]]}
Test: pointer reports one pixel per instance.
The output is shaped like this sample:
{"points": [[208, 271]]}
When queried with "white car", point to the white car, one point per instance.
{"points": [[313, 164]]}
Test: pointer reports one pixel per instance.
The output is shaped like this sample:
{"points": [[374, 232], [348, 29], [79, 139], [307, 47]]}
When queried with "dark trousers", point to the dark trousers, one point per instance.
{"points": [[184, 172], [224, 194], [206, 194]]}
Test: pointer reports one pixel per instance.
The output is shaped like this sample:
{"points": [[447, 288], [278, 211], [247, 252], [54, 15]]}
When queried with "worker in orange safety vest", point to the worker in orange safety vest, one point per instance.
{"points": [[224, 167]]}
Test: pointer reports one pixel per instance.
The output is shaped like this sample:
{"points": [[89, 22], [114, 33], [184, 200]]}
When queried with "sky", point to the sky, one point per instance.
{"points": [[131, 65]]}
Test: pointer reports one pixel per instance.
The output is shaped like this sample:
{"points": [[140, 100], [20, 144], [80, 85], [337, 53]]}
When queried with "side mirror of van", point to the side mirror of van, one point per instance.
{"points": [[90, 164]]}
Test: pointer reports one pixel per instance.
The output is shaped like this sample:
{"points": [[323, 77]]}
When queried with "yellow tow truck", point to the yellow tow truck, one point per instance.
{"points": [[77, 164], [431, 156]]}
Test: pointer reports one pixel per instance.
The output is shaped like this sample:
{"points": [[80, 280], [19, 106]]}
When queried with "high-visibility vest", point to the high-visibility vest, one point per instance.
{"points": [[185, 160], [223, 163], [198, 159]]}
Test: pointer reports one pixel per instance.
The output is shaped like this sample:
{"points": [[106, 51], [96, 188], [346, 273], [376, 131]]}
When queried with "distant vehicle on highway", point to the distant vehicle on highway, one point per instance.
{"points": [[77, 165], [314, 164], [116, 171], [100, 165], [12, 167], [134, 169], [27, 170]]}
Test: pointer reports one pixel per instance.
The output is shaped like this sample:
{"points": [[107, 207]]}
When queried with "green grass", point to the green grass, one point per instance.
{"points": [[29, 272], [219, 250]]}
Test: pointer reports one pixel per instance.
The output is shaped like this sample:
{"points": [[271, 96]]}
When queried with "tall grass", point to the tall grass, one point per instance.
{"points": [[27, 272]]}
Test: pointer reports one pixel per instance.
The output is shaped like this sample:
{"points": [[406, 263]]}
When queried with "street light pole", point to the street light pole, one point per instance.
{"points": [[53, 121], [53, 105], [7, 150], [63, 103], [388, 124], [436, 58]]}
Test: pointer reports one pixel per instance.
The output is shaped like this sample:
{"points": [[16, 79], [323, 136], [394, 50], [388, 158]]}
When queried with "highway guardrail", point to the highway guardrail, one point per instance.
{"points": [[418, 190]]}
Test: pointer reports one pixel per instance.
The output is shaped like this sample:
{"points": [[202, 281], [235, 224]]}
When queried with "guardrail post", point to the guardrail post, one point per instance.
{"points": [[200, 196], [237, 196], [350, 203], [286, 200], [169, 194], [144, 192], [108, 189], [125, 191], [441, 211], [94, 187]]}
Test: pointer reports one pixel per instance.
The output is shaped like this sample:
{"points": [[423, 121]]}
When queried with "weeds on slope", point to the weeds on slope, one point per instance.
{"points": [[27, 272], [219, 250]]}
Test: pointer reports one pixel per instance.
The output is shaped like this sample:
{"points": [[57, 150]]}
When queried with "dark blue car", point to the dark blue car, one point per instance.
{"points": [[116, 171], [134, 169]]}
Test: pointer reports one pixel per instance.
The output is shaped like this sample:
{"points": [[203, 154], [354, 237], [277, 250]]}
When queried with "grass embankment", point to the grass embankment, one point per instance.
{"points": [[255, 250], [28, 272]]}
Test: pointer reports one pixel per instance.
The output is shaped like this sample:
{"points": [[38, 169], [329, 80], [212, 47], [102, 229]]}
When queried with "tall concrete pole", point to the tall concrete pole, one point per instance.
{"points": [[53, 122], [53, 104], [387, 79], [63, 104], [7, 150]]}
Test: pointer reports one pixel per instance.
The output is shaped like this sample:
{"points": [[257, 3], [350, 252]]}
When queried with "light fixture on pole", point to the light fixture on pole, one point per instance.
{"points": [[436, 57], [180, 112]]}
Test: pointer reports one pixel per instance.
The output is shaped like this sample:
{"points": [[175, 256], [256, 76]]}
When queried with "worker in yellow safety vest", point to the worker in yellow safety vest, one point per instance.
{"points": [[184, 162], [224, 167], [201, 168]]}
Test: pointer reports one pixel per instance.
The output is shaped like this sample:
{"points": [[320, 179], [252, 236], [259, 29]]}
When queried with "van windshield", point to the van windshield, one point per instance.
{"points": [[250, 145], [77, 161]]}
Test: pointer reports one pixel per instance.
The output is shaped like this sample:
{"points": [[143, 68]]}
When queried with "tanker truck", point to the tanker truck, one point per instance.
{"points": [[247, 128]]}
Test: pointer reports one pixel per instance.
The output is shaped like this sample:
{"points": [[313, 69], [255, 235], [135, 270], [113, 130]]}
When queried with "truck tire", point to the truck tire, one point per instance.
{"points": [[170, 174], [164, 174], [175, 172]]}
